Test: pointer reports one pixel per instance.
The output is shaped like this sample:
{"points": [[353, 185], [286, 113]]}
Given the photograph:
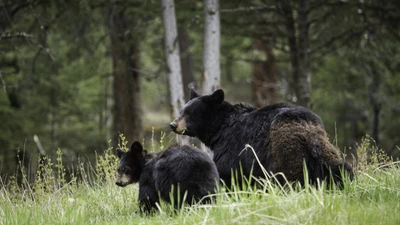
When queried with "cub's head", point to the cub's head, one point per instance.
{"points": [[195, 115], [130, 165]]}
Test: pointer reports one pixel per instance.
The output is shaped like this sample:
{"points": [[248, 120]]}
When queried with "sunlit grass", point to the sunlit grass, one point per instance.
{"points": [[372, 198]]}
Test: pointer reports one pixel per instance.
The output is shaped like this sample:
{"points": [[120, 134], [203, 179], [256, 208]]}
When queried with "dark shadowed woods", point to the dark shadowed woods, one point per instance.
{"points": [[77, 74]]}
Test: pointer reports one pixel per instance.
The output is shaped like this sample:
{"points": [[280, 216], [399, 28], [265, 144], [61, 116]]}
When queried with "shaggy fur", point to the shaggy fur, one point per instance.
{"points": [[283, 136], [182, 167]]}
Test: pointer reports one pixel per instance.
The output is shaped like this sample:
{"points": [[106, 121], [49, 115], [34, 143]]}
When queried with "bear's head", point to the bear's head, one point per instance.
{"points": [[197, 112], [130, 165]]}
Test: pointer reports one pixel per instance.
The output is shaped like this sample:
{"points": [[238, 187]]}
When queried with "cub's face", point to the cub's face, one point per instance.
{"points": [[130, 165], [195, 114]]}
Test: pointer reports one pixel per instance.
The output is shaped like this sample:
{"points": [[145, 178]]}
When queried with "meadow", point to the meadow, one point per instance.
{"points": [[91, 197]]}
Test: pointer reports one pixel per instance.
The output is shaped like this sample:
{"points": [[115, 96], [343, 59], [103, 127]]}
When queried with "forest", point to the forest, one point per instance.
{"points": [[75, 75]]}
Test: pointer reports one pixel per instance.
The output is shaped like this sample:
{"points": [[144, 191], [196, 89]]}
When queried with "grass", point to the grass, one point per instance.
{"points": [[372, 198]]}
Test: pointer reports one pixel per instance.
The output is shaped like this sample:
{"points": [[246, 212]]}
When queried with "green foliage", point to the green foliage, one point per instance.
{"points": [[343, 88], [62, 72], [371, 199], [62, 78], [61, 172], [370, 157], [45, 182], [107, 163], [106, 166]]}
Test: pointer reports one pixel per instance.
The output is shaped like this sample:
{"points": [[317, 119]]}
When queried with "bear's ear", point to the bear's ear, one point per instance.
{"points": [[193, 94], [217, 97], [119, 152], [136, 148]]}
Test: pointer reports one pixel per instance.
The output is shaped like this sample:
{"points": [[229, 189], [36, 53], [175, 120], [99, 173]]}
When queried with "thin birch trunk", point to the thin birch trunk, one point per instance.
{"points": [[211, 54], [173, 61]]}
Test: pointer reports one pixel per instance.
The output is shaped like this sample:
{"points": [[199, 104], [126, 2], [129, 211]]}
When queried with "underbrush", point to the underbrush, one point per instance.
{"points": [[90, 196]]}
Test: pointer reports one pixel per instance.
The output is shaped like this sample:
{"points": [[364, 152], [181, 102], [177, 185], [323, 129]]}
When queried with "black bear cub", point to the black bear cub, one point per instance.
{"points": [[284, 137], [183, 172]]}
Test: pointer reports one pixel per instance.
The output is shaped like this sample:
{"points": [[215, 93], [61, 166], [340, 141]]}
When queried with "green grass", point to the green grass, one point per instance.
{"points": [[372, 198]]}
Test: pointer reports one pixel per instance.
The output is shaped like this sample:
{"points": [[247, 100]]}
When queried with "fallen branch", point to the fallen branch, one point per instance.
{"points": [[7, 35]]}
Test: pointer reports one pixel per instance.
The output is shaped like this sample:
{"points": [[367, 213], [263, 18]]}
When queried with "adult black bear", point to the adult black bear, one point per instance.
{"points": [[182, 168], [283, 136]]}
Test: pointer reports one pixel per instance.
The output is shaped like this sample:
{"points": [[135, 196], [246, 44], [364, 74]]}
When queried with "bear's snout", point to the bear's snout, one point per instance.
{"points": [[173, 125], [119, 183], [178, 125]]}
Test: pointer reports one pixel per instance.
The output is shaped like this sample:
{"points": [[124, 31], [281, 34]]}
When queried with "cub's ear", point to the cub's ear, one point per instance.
{"points": [[193, 94], [217, 97], [136, 147], [119, 152]]}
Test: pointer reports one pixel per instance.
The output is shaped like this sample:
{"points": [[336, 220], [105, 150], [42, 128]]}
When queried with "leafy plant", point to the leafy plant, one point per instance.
{"points": [[370, 157]]}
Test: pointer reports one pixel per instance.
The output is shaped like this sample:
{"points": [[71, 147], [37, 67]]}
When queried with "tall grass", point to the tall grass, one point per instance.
{"points": [[90, 197]]}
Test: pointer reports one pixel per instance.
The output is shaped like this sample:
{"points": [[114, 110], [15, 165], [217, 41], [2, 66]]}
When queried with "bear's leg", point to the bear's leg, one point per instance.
{"points": [[148, 197]]}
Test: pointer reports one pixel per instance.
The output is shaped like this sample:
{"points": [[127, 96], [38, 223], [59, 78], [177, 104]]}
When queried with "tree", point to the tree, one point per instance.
{"points": [[211, 53], [297, 31], [172, 57], [186, 62], [303, 75], [58, 62], [125, 64], [171, 45], [264, 74]]}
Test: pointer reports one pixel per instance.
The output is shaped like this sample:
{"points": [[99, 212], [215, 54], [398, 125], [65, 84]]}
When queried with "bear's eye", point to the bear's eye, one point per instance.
{"points": [[125, 170]]}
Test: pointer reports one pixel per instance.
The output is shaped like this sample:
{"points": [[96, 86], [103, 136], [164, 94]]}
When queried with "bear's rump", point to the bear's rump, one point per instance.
{"points": [[291, 144]]}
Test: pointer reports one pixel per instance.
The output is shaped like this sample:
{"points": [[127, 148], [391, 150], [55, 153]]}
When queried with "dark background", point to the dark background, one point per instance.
{"points": [[62, 64]]}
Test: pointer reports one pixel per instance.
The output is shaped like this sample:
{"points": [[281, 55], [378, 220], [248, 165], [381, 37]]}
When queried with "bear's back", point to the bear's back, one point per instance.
{"points": [[297, 114], [190, 168], [252, 127], [267, 116]]}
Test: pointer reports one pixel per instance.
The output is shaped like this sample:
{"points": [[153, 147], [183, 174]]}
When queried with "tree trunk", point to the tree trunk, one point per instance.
{"points": [[298, 47], [373, 93], [287, 13], [172, 56], [303, 82], [211, 54], [264, 75], [125, 64], [186, 62], [173, 61]]}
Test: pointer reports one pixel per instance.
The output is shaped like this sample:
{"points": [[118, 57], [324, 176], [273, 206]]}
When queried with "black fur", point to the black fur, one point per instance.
{"points": [[283, 136], [183, 167]]}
